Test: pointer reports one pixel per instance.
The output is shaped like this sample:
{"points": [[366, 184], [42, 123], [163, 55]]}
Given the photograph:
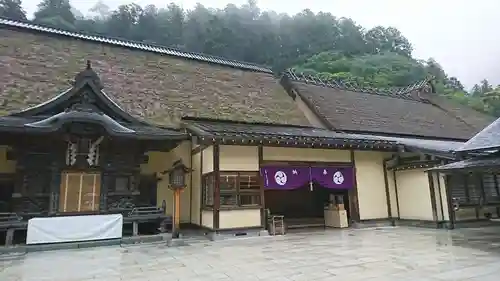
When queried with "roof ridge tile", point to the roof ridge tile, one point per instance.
{"points": [[395, 92]]}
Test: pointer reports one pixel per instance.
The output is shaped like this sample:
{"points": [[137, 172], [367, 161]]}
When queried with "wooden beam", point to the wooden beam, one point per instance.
{"points": [[387, 192], [441, 204], [262, 193], [198, 149], [216, 209], [202, 191], [432, 193], [353, 194], [396, 191]]}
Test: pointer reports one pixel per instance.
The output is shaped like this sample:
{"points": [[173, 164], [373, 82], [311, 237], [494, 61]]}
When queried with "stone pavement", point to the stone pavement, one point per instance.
{"points": [[355, 254]]}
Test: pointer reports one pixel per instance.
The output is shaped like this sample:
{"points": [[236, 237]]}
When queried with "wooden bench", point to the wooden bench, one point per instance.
{"points": [[10, 222]]}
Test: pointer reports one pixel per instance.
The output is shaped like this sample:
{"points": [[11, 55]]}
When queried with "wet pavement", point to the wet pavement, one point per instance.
{"points": [[357, 254]]}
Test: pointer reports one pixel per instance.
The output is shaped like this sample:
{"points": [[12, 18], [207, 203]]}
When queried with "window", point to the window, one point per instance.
{"points": [[236, 189], [491, 189], [228, 189], [458, 187], [208, 190], [475, 189], [240, 189]]}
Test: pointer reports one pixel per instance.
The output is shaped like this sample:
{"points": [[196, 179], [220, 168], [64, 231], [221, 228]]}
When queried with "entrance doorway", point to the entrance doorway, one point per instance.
{"points": [[304, 206], [80, 192]]}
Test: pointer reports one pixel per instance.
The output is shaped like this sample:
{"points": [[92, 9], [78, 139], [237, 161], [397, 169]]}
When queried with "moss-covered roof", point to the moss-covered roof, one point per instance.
{"points": [[38, 64]]}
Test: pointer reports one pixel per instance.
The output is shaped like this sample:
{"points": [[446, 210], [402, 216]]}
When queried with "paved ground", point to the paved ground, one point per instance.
{"points": [[384, 254]]}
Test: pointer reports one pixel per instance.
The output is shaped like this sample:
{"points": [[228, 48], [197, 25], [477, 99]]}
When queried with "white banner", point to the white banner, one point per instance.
{"points": [[74, 228]]}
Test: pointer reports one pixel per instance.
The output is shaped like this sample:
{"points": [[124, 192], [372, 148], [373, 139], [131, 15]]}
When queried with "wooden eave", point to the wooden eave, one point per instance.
{"points": [[276, 138]]}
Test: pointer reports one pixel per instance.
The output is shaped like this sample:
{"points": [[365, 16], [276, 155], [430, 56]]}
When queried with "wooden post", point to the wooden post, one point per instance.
{"points": [[177, 211], [9, 237], [353, 194], [216, 208]]}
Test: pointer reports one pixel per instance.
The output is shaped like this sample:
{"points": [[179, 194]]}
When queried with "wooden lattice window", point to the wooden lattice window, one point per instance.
{"points": [[240, 189], [207, 183], [491, 188]]}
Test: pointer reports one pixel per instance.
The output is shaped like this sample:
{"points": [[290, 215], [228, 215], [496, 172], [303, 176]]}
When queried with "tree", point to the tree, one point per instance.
{"points": [[12, 9], [56, 13], [100, 11], [123, 21], [381, 39]]}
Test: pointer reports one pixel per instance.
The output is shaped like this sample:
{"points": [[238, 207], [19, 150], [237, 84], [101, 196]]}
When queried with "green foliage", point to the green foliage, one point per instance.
{"points": [[12, 9], [57, 13], [376, 70]]}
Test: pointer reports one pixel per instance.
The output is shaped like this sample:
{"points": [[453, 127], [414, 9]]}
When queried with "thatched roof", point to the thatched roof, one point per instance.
{"points": [[154, 83], [412, 111]]}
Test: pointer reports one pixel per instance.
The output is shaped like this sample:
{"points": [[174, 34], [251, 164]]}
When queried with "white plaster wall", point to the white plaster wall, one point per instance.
{"points": [[239, 218], [414, 195], [239, 158], [370, 181]]}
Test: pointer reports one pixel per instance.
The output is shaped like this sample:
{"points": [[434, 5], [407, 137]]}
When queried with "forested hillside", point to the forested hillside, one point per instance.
{"points": [[319, 44]]}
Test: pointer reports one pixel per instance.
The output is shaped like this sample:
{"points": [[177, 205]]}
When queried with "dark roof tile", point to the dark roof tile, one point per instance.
{"points": [[487, 139], [484, 164]]}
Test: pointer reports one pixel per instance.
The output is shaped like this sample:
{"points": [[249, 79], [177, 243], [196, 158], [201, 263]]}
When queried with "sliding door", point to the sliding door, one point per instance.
{"points": [[80, 192]]}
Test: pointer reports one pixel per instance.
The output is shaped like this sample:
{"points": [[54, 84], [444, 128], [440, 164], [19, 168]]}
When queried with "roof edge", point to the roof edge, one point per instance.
{"points": [[404, 135], [226, 121], [134, 45], [285, 81]]}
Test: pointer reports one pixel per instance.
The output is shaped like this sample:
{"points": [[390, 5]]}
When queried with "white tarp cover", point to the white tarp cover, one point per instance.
{"points": [[74, 228]]}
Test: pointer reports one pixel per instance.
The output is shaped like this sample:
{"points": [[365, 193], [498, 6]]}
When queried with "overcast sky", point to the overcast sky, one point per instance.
{"points": [[459, 34]]}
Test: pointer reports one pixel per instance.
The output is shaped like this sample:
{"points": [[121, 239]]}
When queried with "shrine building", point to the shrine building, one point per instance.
{"points": [[92, 126]]}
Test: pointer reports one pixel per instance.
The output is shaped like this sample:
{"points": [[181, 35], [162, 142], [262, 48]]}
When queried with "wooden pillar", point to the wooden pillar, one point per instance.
{"points": [[451, 212], [216, 211], [387, 193], [432, 193], [441, 204], [105, 182], [396, 192], [55, 188], [263, 221], [353, 194], [177, 210], [495, 180], [202, 186]]}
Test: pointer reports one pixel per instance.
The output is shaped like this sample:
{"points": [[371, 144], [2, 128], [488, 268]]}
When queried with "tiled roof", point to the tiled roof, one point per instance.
{"points": [[413, 111], [487, 139], [484, 164], [233, 132]]}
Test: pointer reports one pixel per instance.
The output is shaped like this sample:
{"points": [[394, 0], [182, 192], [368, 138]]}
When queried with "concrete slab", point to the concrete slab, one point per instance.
{"points": [[387, 254]]}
